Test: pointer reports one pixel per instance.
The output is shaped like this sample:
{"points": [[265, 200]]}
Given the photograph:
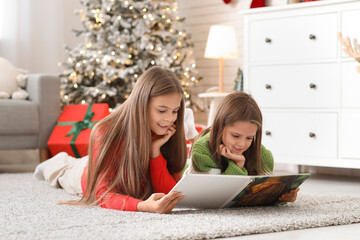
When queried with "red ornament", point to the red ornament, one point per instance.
{"points": [[227, 1], [257, 3]]}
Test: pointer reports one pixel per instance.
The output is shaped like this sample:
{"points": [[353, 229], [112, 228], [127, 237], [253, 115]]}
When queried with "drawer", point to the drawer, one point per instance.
{"points": [[349, 26], [296, 38], [300, 134], [295, 86], [350, 85], [350, 134]]}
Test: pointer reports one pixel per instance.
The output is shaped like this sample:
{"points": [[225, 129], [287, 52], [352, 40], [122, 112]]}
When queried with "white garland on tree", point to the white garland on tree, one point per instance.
{"points": [[122, 40]]}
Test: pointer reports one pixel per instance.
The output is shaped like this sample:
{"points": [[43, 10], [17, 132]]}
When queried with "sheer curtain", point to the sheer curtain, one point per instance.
{"points": [[33, 33], [14, 29]]}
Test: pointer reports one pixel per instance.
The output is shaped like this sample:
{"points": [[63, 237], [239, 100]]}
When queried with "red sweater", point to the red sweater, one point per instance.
{"points": [[162, 182]]}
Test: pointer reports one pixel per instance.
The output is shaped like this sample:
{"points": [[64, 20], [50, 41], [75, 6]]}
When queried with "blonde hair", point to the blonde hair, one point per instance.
{"points": [[237, 107], [123, 141]]}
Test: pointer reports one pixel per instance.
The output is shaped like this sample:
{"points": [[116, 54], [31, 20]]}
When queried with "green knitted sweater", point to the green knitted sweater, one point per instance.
{"points": [[202, 160]]}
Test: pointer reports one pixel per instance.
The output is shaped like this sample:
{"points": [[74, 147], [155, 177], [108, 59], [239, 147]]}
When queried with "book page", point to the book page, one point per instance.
{"points": [[209, 191], [266, 190]]}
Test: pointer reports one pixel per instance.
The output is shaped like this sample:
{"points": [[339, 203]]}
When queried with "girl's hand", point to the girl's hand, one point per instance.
{"points": [[290, 196], [239, 159], [160, 203], [159, 140]]}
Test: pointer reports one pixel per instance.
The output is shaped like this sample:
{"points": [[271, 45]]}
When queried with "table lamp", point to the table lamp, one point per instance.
{"points": [[221, 44]]}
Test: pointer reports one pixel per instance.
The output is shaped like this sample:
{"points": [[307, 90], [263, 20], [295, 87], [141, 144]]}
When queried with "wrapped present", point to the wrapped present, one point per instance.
{"points": [[72, 131]]}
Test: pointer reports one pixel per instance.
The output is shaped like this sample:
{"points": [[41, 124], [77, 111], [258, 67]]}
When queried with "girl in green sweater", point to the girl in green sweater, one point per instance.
{"points": [[232, 145]]}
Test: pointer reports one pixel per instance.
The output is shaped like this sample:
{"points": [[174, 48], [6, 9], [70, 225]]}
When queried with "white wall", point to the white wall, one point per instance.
{"points": [[33, 32], [200, 15]]}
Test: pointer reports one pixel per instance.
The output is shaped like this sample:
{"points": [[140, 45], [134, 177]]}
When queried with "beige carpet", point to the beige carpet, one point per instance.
{"points": [[28, 210]]}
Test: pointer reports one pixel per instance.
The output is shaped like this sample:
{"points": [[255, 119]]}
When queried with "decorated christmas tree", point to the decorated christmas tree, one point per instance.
{"points": [[122, 40]]}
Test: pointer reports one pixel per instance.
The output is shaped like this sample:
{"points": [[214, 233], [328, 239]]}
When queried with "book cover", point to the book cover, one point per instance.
{"points": [[266, 190], [219, 191]]}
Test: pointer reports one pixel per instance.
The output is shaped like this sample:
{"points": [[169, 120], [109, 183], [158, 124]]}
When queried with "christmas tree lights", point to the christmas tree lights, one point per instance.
{"points": [[122, 40]]}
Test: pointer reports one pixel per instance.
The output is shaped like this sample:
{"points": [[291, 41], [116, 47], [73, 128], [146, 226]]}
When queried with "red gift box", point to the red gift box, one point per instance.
{"points": [[72, 131]]}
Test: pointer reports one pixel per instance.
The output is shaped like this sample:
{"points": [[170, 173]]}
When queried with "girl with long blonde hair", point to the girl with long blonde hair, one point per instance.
{"points": [[136, 154], [232, 145]]}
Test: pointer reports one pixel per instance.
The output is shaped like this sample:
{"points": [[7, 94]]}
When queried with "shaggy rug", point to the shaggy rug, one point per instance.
{"points": [[28, 210]]}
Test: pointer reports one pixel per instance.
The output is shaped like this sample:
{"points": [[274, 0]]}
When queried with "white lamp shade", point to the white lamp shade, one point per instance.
{"points": [[221, 42]]}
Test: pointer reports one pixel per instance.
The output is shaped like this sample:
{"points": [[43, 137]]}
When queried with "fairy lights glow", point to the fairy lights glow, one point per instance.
{"points": [[123, 38]]}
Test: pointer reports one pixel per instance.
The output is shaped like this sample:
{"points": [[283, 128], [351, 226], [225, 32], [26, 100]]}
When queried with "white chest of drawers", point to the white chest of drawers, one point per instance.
{"points": [[307, 89]]}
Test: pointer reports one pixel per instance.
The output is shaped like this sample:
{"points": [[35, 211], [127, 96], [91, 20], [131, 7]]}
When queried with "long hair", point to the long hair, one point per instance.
{"points": [[122, 141], [233, 108]]}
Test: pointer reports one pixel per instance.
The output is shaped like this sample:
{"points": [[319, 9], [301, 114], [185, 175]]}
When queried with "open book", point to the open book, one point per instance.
{"points": [[221, 191]]}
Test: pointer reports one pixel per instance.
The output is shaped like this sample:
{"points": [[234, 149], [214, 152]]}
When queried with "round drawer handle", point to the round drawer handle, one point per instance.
{"points": [[268, 86], [312, 135], [267, 133], [312, 85], [312, 37], [267, 40]]}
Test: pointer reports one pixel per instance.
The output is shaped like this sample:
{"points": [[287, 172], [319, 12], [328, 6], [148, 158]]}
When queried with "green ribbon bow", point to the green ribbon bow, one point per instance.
{"points": [[78, 127]]}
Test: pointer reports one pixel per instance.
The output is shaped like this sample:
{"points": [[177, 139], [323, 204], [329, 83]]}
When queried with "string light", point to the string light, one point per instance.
{"points": [[109, 56]]}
